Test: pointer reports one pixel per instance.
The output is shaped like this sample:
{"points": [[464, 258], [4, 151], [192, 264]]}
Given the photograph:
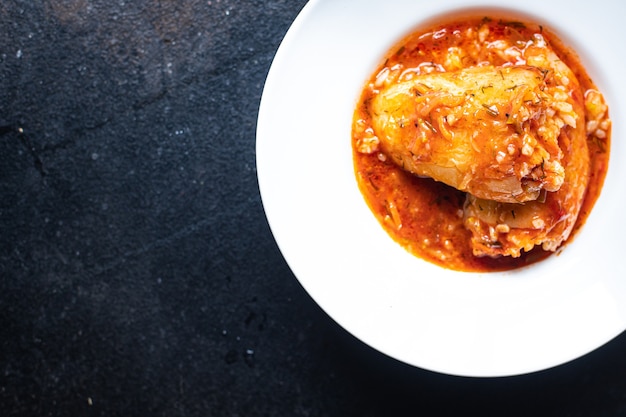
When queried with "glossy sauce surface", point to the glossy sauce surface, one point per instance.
{"points": [[425, 216]]}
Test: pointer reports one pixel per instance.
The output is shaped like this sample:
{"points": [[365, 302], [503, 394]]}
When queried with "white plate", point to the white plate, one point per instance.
{"points": [[471, 324]]}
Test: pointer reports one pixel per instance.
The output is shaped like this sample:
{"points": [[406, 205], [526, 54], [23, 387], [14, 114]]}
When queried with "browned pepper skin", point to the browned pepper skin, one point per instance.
{"points": [[482, 130]]}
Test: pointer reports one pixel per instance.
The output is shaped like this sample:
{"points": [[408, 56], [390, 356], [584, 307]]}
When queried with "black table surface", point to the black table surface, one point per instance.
{"points": [[138, 274]]}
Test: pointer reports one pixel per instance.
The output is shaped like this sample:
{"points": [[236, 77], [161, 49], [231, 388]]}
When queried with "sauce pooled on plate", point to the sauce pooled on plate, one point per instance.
{"points": [[481, 144]]}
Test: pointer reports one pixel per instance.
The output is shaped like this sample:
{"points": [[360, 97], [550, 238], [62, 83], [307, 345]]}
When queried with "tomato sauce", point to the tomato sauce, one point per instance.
{"points": [[425, 216]]}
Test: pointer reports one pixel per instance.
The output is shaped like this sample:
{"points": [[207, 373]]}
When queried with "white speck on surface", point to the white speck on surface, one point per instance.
{"points": [[18, 54]]}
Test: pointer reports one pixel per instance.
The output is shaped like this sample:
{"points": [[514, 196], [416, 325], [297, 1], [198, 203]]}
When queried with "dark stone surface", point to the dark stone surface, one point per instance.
{"points": [[138, 276]]}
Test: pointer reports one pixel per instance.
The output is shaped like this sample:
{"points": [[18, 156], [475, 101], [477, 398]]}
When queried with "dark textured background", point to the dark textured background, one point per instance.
{"points": [[138, 274]]}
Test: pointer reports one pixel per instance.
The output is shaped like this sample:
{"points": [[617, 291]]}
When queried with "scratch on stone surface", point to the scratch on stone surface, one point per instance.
{"points": [[37, 154], [98, 125], [28, 144], [157, 243], [160, 95], [63, 144], [72, 139], [6, 129]]}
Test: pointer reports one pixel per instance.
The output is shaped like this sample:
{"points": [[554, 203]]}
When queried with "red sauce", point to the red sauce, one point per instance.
{"points": [[431, 226]]}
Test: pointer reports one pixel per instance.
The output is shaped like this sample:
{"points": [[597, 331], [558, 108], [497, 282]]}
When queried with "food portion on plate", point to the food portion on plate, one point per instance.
{"points": [[481, 143]]}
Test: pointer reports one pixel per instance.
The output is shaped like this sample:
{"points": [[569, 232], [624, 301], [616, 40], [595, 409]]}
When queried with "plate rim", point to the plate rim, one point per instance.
{"points": [[294, 259]]}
